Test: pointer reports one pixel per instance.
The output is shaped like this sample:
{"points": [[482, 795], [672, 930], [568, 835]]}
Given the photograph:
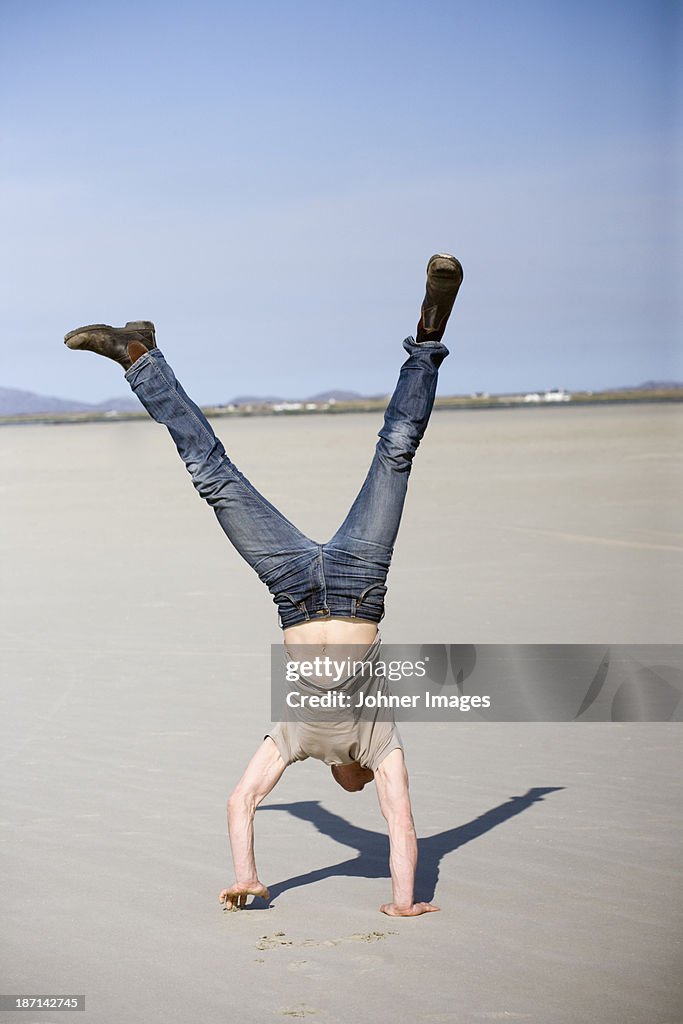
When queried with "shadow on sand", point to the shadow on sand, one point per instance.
{"points": [[372, 857]]}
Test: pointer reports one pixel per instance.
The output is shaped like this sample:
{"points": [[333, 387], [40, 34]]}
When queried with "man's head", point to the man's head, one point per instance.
{"points": [[352, 777]]}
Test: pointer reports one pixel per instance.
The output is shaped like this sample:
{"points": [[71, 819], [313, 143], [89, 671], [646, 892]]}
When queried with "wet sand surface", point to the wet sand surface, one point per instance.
{"points": [[135, 685]]}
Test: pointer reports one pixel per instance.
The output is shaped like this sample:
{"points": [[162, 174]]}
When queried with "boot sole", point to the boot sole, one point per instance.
{"points": [[89, 327], [454, 264], [133, 326]]}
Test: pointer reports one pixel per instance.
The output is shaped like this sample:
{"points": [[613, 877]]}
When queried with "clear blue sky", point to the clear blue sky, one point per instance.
{"points": [[266, 182]]}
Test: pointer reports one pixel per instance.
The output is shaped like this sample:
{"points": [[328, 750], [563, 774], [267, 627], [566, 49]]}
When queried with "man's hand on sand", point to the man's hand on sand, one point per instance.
{"points": [[414, 911], [236, 896]]}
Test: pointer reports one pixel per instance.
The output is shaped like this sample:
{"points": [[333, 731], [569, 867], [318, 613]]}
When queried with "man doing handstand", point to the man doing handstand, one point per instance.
{"points": [[326, 594]]}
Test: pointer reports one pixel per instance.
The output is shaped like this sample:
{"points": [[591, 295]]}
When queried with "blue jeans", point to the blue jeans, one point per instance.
{"points": [[346, 577]]}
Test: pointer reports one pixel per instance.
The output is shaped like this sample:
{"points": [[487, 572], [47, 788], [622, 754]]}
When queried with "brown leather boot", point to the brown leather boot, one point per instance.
{"points": [[113, 342], [135, 350], [444, 277]]}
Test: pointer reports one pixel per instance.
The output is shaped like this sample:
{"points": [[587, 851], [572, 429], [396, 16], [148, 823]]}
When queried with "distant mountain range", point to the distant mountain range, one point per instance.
{"points": [[319, 399], [22, 403], [14, 402], [652, 385]]}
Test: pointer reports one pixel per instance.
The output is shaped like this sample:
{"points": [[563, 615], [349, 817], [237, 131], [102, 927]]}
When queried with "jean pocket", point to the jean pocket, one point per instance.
{"points": [[372, 598]]}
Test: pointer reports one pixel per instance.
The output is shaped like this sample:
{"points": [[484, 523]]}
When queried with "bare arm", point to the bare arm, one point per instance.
{"points": [[391, 779], [262, 774]]}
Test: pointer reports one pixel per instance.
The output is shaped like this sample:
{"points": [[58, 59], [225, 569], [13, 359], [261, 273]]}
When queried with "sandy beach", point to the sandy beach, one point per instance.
{"points": [[135, 686]]}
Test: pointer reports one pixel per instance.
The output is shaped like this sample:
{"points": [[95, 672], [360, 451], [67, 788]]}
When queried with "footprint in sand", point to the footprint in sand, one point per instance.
{"points": [[503, 1015], [280, 939], [368, 936], [272, 941]]}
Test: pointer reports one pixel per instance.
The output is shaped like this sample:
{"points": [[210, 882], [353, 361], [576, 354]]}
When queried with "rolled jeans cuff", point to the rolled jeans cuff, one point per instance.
{"points": [[143, 367], [436, 350]]}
